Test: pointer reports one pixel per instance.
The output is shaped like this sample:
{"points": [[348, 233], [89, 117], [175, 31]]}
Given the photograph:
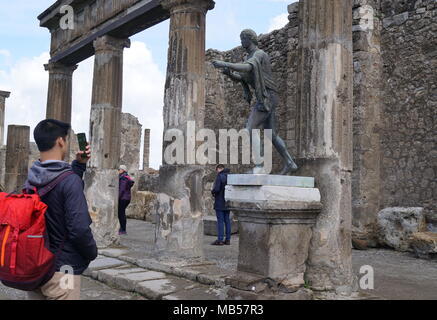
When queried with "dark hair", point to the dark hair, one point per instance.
{"points": [[220, 166], [48, 131]]}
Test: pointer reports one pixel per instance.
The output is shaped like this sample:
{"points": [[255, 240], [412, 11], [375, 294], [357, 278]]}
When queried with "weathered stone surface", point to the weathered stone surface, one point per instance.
{"points": [[197, 293], [156, 289], [270, 180], [271, 193], [3, 96], [366, 184], [2, 166], [103, 206], [179, 229], [130, 142], [324, 134], [143, 206], [210, 226], [104, 263], [146, 154], [424, 244], [17, 158], [396, 225]]}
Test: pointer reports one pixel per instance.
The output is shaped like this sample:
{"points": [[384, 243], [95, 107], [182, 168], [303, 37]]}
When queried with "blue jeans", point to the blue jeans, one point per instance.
{"points": [[222, 220]]}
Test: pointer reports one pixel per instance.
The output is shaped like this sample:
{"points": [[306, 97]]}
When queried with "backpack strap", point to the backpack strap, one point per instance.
{"points": [[44, 191]]}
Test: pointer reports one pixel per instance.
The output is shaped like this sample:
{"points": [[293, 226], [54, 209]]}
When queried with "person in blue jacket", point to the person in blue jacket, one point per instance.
{"points": [[67, 218], [222, 212]]}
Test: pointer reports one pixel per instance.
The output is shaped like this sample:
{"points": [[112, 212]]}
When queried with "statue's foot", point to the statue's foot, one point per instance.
{"points": [[289, 168]]}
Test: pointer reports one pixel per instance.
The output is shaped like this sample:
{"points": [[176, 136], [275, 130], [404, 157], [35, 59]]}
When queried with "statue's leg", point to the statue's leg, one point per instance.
{"points": [[256, 119], [289, 164]]}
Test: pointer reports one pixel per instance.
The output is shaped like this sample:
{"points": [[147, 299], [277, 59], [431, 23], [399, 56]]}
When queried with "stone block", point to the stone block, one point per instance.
{"points": [[210, 226], [109, 276], [396, 225], [129, 281], [270, 180], [424, 245], [197, 293], [104, 263], [156, 289]]}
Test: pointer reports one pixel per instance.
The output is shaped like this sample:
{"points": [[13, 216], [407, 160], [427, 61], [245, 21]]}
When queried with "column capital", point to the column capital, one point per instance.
{"points": [[188, 5], [108, 43], [5, 94], [56, 67]]}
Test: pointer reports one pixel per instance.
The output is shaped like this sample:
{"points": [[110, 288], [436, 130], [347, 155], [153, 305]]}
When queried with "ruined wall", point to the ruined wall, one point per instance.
{"points": [[409, 121], [131, 131]]}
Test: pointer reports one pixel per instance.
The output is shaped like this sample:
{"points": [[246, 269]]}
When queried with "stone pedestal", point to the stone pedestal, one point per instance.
{"points": [[3, 96], [17, 158], [276, 215]]}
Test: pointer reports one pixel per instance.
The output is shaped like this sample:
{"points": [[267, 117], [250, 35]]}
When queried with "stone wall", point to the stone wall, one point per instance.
{"points": [[409, 121]]}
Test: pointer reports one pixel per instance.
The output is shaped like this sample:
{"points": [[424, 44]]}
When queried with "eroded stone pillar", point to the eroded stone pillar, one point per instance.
{"points": [[17, 157], [324, 135], [146, 155], [179, 231], [3, 96], [59, 96], [366, 184], [105, 136]]}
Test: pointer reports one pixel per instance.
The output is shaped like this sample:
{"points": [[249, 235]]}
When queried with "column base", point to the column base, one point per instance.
{"points": [[179, 227]]}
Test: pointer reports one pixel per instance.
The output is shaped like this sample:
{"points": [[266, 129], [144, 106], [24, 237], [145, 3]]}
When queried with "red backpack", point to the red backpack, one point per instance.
{"points": [[26, 262]]}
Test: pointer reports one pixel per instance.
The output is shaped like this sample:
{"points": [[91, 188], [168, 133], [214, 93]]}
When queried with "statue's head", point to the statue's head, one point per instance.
{"points": [[248, 37]]}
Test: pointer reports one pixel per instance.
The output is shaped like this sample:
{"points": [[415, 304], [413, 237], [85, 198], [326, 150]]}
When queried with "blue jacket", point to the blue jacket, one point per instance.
{"points": [[219, 190], [67, 216]]}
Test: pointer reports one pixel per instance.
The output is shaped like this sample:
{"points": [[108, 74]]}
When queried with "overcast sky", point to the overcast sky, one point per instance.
{"points": [[24, 49]]}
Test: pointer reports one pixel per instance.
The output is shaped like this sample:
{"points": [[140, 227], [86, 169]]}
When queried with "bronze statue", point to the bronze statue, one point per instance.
{"points": [[256, 72]]}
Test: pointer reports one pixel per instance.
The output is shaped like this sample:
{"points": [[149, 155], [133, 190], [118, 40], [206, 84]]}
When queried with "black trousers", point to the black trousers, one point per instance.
{"points": [[122, 205]]}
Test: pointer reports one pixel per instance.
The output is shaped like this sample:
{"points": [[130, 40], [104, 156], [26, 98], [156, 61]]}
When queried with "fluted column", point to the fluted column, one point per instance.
{"points": [[3, 96], [105, 121], [146, 155], [59, 97], [179, 231], [101, 179], [17, 157], [324, 134]]}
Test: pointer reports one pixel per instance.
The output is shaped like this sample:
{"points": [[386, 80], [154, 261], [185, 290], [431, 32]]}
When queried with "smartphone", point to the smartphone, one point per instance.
{"points": [[81, 138]]}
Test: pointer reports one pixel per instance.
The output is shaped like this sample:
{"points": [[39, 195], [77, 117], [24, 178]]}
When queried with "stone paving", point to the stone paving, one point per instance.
{"points": [[130, 272]]}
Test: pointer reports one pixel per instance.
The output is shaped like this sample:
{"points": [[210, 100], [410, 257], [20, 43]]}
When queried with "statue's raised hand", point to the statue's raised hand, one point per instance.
{"points": [[219, 64]]}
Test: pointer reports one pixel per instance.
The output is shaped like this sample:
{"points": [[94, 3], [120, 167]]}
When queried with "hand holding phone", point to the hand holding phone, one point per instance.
{"points": [[83, 147]]}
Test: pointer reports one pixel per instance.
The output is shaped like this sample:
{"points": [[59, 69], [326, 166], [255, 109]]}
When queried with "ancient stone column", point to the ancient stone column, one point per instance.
{"points": [[3, 96], [105, 135], [59, 97], [324, 135], [146, 156], [179, 231], [366, 186], [17, 157]]}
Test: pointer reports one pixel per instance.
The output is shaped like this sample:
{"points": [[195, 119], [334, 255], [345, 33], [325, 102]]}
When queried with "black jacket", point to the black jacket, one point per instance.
{"points": [[67, 217], [219, 190]]}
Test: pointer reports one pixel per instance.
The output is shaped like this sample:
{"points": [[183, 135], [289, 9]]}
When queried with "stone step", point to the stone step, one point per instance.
{"points": [[424, 244], [153, 285]]}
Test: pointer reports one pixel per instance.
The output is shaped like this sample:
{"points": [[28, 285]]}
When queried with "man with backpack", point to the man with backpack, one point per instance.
{"points": [[124, 197], [67, 217], [223, 214]]}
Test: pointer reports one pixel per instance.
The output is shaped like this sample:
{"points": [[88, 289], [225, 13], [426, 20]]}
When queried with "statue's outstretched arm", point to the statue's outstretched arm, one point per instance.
{"points": [[239, 67]]}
